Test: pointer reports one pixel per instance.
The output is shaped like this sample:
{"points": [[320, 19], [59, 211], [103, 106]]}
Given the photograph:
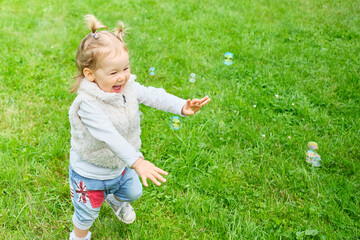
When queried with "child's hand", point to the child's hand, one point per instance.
{"points": [[192, 106], [148, 170]]}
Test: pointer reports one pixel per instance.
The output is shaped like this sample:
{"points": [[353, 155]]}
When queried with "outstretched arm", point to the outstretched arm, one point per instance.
{"points": [[192, 106], [158, 98]]}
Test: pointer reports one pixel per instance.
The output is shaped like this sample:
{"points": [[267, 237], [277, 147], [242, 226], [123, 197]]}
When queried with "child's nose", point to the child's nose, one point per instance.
{"points": [[121, 77]]}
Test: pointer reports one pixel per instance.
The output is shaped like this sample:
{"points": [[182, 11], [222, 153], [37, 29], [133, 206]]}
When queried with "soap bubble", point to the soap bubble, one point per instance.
{"points": [[176, 123], [313, 145], [312, 156], [228, 58], [152, 71], [316, 160], [192, 77], [310, 153]]}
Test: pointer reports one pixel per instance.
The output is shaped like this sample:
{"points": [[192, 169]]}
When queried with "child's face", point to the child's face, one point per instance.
{"points": [[112, 73]]}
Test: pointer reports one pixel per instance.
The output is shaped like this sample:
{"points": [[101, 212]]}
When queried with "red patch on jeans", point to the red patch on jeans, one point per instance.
{"points": [[96, 197], [123, 173]]}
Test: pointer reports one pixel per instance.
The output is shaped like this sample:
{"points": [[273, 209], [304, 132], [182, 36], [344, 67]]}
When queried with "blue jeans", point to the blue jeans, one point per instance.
{"points": [[89, 194]]}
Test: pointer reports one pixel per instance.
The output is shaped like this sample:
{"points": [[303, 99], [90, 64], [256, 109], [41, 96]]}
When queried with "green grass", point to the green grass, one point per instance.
{"points": [[226, 181]]}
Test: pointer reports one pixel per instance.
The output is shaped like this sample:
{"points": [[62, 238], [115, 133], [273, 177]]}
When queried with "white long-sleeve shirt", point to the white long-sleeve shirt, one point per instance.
{"points": [[101, 128]]}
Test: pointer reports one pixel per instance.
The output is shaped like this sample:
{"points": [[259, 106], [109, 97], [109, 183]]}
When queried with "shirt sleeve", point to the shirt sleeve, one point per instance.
{"points": [[158, 98], [102, 129]]}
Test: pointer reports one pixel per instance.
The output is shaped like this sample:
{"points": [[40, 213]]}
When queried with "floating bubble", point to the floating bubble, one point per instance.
{"points": [[176, 123], [228, 58], [276, 96], [192, 77], [316, 160], [311, 155], [316, 163], [313, 145], [152, 71], [254, 106]]}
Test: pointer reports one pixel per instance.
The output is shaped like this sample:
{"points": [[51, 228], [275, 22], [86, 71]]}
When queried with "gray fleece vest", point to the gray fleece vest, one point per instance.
{"points": [[125, 117]]}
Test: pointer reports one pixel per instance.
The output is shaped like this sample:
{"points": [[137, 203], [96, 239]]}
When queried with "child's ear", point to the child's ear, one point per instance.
{"points": [[88, 74]]}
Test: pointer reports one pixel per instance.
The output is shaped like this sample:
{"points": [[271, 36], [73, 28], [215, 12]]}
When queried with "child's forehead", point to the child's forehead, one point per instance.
{"points": [[115, 58]]}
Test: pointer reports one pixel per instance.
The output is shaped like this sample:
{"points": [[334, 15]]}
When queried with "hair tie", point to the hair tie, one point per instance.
{"points": [[95, 35]]}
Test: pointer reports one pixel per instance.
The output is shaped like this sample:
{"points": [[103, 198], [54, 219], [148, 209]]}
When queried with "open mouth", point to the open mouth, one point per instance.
{"points": [[116, 89]]}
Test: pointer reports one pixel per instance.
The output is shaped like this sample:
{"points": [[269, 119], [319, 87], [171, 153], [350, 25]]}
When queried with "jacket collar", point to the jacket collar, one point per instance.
{"points": [[93, 90]]}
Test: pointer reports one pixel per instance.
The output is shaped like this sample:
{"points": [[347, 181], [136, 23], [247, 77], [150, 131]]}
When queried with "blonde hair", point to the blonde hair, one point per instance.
{"points": [[96, 46]]}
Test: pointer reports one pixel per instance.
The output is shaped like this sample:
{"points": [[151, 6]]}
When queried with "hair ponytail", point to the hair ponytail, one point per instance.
{"points": [[120, 31], [93, 23]]}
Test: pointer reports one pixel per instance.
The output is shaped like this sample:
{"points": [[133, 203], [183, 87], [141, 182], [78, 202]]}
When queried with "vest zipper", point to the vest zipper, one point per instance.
{"points": [[126, 111]]}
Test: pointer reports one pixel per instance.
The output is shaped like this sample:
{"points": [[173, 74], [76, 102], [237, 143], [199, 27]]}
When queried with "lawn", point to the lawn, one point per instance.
{"points": [[237, 169]]}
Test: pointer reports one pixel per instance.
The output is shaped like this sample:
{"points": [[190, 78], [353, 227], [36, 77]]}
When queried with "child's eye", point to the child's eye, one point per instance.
{"points": [[126, 69], [113, 73]]}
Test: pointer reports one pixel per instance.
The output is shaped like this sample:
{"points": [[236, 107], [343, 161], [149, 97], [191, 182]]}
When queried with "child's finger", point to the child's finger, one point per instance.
{"points": [[205, 102], [158, 176], [204, 99], [188, 112], [188, 102], [159, 170], [144, 181], [153, 179], [196, 104]]}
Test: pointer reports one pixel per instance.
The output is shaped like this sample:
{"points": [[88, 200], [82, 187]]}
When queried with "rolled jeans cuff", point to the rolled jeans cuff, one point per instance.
{"points": [[80, 225]]}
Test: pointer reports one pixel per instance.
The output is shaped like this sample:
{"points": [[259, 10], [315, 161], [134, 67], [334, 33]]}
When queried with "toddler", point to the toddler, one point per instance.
{"points": [[105, 160]]}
